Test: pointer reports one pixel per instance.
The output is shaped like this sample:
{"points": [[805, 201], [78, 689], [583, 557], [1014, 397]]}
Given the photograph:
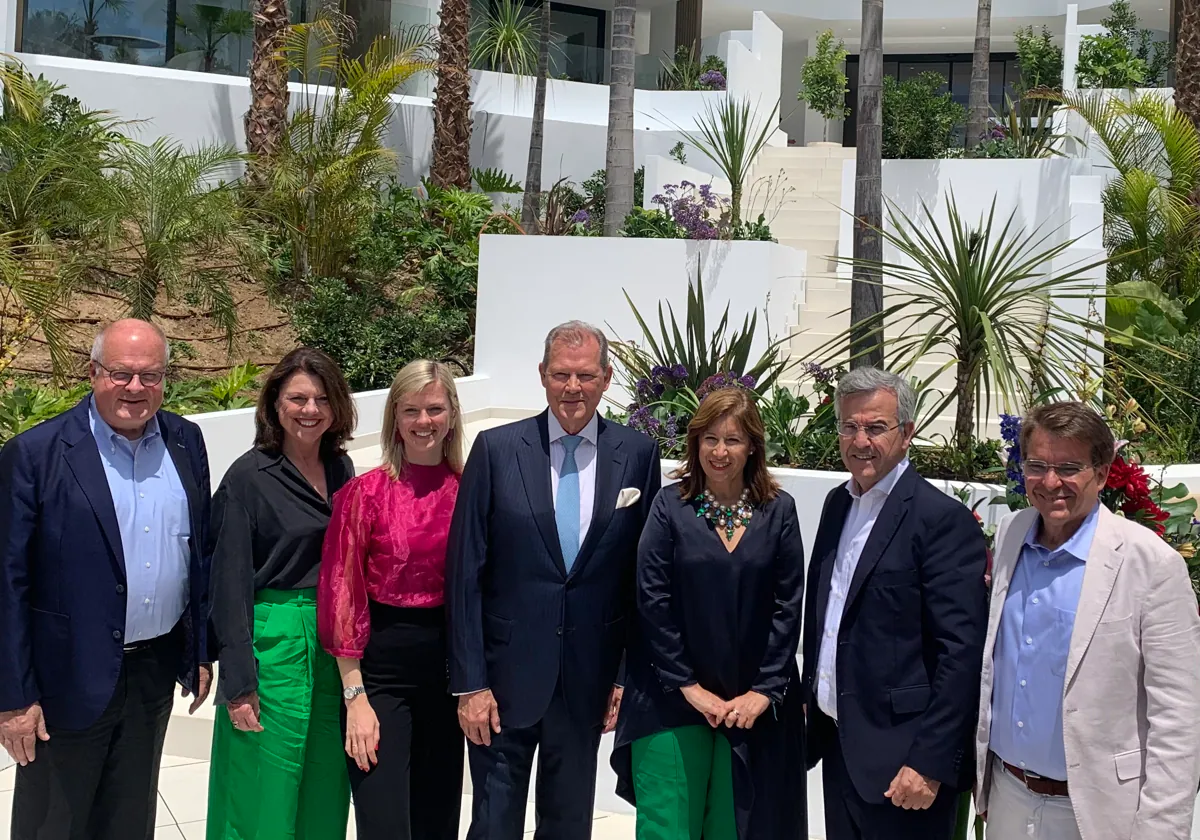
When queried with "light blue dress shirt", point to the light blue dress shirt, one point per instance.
{"points": [[152, 514], [1032, 645]]}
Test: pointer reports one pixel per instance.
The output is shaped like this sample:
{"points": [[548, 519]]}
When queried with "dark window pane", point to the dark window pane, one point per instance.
{"points": [[891, 68], [960, 82]]}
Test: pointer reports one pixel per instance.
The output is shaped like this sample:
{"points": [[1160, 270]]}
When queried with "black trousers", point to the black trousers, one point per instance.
{"points": [[415, 791], [849, 817], [566, 779], [101, 783]]}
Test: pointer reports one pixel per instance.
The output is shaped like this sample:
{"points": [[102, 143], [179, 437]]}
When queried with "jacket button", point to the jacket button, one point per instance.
{"points": [[117, 635], [558, 631], [120, 589]]}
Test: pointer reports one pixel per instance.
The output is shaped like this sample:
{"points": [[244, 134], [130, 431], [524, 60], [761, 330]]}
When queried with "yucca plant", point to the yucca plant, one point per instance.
{"points": [[326, 173], [1150, 217], [731, 135], [701, 352], [979, 300], [506, 39], [170, 219]]}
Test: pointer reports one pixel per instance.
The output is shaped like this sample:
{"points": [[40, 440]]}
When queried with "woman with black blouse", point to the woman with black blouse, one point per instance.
{"points": [[277, 765], [709, 739]]}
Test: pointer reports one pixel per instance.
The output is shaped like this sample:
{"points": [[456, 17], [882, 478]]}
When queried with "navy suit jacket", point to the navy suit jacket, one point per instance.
{"points": [[519, 623], [910, 644], [62, 569]]}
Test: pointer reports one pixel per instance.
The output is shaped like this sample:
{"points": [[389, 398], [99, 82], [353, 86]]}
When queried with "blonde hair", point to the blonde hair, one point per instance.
{"points": [[412, 378]]}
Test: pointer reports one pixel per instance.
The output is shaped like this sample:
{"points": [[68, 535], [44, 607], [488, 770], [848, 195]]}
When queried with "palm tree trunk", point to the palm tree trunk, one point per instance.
{"points": [[618, 189], [866, 288], [1187, 63], [267, 117], [169, 37], [964, 415], [978, 111], [452, 98], [537, 133]]}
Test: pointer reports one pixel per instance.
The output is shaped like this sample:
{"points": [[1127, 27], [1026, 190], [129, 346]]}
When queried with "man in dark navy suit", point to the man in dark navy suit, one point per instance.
{"points": [[103, 582], [895, 621], [539, 590]]}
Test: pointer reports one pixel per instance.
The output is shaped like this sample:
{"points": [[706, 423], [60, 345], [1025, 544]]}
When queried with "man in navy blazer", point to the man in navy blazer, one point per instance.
{"points": [[103, 582], [895, 621], [539, 592]]}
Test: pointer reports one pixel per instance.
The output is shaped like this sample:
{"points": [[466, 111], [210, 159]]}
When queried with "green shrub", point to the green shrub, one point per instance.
{"points": [[1040, 59], [651, 224], [918, 121], [1174, 436]]}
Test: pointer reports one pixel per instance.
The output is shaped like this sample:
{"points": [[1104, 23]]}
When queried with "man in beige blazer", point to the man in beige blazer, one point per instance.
{"points": [[1089, 719]]}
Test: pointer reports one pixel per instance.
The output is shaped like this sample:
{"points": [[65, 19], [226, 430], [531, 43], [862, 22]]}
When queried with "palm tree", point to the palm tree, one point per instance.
{"points": [[618, 186], [267, 117], [211, 25], [452, 98], [978, 110], [1187, 64], [866, 287], [537, 132]]}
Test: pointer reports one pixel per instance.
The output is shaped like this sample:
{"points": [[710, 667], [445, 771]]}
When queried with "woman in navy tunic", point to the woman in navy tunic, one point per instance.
{"points": [[710, 734]]}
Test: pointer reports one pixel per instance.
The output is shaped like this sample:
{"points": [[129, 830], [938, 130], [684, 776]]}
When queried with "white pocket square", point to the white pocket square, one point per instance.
{"points": [[627, 497]]}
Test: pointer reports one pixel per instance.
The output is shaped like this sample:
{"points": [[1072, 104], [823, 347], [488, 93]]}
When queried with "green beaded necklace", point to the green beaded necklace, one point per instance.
{"points": [[728, 518]]}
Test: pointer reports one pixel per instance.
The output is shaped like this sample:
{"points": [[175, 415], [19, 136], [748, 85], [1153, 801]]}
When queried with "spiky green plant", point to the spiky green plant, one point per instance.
{"points": [[334, 154], [170, 219], [506, 39]]}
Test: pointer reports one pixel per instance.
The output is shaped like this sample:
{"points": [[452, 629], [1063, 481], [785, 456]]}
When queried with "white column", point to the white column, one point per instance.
{"points": [[8, 26]]}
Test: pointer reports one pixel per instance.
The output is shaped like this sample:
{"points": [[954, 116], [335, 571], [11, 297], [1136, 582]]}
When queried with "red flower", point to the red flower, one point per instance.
{"points": [[1128, 479]]}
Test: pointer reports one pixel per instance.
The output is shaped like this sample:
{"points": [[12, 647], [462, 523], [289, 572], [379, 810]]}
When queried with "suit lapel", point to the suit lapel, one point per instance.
{"points": [[183, 466], [610, 469], [888, 522], [831, 535], [83, 458], [534, 463], [1099, 576]]}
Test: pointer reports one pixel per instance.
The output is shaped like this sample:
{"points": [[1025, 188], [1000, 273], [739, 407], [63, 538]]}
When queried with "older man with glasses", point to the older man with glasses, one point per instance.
{"points": [[103, 596], [894, 624], [1090, 692]]}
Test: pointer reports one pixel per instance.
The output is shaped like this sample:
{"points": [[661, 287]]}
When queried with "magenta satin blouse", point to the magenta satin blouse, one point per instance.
{"points": [[386, 542]]}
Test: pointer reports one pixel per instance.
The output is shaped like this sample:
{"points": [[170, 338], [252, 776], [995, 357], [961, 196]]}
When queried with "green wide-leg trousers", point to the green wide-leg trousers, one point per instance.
{"points": [[683, 784], [288, 782]]}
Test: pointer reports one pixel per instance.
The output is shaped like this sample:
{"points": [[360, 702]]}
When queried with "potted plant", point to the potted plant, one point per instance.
{"points": [[825, 85]]}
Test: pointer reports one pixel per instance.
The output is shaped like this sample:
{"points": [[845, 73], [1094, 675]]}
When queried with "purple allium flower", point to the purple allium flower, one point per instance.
{"points": [[717, 381], [821, 375], [748, 382], [679, 372], [1010, 430], [581, 217], [713, 80]]}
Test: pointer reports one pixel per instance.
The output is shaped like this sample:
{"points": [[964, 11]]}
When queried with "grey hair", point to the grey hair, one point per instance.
{"points": [[97, 354], [868, 380], [573, 334]]}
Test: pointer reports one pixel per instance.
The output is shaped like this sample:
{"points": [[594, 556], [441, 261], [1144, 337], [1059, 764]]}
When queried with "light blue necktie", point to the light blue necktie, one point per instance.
{"points": [[566, 506]]}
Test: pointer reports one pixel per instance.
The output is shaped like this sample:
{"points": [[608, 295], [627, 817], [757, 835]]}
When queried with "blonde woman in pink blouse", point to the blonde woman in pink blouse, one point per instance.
{"points": [[380, 612]]}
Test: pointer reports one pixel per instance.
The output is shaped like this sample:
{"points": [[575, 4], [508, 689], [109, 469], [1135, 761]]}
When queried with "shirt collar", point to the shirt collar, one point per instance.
{"points": [[884, 486], [1080, 543], [105, 434], [589, 431]]}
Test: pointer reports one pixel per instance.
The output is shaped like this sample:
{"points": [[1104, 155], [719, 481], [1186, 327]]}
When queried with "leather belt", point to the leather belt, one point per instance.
{"points": [[1037, 784]]}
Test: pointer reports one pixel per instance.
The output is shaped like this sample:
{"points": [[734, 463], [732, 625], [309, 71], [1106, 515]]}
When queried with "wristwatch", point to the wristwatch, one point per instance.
{"points": [[352, 691]]}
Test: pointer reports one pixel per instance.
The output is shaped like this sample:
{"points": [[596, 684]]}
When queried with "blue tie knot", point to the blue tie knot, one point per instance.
{"points": [[571, 443]]}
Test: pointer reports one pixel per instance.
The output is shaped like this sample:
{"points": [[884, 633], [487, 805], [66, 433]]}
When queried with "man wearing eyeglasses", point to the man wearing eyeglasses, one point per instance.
{"points": [[1090, 690], [103, 590], [894, 624]]}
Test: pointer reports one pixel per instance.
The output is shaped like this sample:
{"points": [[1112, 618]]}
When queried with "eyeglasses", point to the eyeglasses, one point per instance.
{"points": [[850, 430], [1040, 469], [565, 378], [148, 378]]}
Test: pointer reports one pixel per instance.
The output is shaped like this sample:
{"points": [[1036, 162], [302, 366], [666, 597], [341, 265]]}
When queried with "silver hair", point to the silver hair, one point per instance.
{"points": [[868, 380], [574, 333], [97, 354]]}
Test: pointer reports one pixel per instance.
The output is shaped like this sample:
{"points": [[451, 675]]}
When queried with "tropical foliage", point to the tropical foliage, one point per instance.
{"points": [[1123, 57], [919, 117], [1040, 59], [684, 71], [506, 38], [824, 81]]}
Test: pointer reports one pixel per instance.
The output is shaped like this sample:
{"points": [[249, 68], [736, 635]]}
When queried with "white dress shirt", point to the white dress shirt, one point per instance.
{"points": [[864, 510], [585, 462]]}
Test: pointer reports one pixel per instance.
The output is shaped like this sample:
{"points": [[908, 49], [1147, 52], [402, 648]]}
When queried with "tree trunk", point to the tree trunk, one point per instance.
{"points": [[1187, 63], [618, 189], [978, 111], [452, 98], [964, 415], [866, 288], [267, 117], [688, 16], [169, 36], [530, 213]]}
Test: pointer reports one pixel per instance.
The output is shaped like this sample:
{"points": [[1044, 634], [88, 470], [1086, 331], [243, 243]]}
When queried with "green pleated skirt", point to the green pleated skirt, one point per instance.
{"points": [[288, 782]]}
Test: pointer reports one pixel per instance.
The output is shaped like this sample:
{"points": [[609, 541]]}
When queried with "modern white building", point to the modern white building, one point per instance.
{"points": [[214, 36]]}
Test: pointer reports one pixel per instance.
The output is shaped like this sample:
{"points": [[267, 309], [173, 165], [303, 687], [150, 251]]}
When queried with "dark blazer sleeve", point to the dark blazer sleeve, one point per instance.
{"points": [[650, 488], [466, 557], [232, 592], [205, 647], [18, 521], [655, 564], [954, 605], [779, 661]]}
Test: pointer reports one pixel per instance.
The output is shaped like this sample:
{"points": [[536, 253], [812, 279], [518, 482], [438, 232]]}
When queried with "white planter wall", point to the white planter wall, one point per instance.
{"points": [[529, 284]]}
